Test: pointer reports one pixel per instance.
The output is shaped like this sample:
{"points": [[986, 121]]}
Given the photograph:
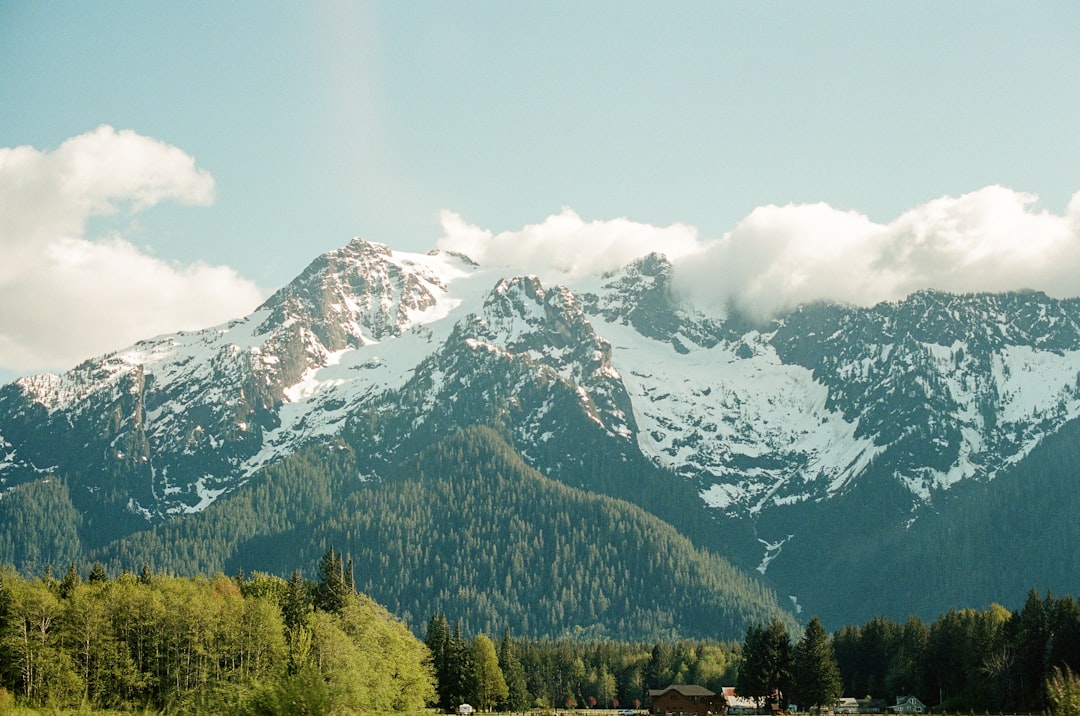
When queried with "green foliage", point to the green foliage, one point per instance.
{"points": [[488, 677], [202, 645], [304, 693], [41, 526], [470, 528], [817, 676], [1063, 692], [613, 673], [517, 692], [334, 589], [966, 659], [765, 673]]}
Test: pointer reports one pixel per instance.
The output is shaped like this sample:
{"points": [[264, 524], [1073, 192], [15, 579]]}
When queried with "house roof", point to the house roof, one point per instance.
{"points": [[734, 699], [684, 689]]}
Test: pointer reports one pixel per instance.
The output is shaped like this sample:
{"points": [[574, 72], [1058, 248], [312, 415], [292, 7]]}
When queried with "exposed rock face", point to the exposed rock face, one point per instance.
{"points": [[389, 351]]}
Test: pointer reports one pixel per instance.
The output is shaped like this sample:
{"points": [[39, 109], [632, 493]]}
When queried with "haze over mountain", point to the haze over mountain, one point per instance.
{"points": [[856, 460]]}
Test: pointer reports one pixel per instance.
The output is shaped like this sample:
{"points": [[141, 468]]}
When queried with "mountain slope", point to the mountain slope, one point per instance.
{"points": [[986, 543], [467, 528], [871, 426]]}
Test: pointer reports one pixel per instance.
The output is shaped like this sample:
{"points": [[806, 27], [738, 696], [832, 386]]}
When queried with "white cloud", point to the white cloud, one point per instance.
{"points": [[564, 247], [994, 239], [65, 296], [778, 257], [991, 240]]}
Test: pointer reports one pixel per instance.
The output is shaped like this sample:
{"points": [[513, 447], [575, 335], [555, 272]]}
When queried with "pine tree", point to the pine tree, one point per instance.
{"points": [[333, 592], [517, 692], [295, 613], [751, 682], [778, 645], [437, 640], [765, 672], [70, 581], [350, 576], [461, 674], [297, 604], [145, 575], [656, 669], [817, 676], [97, 574]]}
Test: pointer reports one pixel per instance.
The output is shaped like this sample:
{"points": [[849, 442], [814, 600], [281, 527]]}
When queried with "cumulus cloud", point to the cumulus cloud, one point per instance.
{"points": [[65, 296], [778, 257], [564, 247], [994, 239]]}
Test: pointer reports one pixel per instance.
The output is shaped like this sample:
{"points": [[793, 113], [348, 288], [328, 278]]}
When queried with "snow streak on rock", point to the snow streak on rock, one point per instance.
{"points": [[937, 388]]}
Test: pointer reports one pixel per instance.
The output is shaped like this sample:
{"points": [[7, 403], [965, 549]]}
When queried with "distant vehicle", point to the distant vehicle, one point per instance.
{"points": [[465, 709]]}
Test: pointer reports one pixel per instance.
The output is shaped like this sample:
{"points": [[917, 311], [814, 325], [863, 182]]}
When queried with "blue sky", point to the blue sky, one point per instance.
{"points": [[319, 121]]}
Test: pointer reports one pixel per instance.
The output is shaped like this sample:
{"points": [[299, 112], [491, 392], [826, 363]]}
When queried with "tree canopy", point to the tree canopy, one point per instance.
{"points": [[203, 645]]}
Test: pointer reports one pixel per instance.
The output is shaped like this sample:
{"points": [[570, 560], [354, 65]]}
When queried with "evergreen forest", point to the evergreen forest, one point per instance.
{"points": [[465, 525], [965, 661]]}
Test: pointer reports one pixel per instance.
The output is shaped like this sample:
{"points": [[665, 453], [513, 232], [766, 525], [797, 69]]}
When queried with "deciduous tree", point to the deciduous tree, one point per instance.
{"points": [[488, 677]]}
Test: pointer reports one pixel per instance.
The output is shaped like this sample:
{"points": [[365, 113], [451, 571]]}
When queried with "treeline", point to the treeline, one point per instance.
{"points": [[245, 645], [965, 660], [514, 674]]}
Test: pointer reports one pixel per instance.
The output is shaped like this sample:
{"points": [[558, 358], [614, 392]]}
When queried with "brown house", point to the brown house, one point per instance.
{"points": [[686, 699]]}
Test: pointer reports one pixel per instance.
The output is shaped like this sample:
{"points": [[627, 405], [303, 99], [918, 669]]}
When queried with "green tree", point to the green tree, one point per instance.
{"points": [[437, 640], [70, 581], [333, 590], [905, 674], [657, 671], [392, 671], [145, 575], [517, 692], [817, 676], [765, 671], [605, 687], [296, 612], [97, 574], [1030, 632], [490, 684], [752, 681], [35, 661], [460, 674]]}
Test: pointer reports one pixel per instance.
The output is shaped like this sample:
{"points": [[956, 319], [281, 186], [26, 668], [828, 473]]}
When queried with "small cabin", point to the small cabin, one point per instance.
{"points": [[686, 699]]}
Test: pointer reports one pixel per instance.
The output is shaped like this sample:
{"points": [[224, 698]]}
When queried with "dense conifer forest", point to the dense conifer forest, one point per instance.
{"points": [[1017, 533], [466, 525], [966, 660]]}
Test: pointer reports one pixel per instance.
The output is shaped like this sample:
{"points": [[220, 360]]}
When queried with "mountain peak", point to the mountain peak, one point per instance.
{"points": [[385, 352]]}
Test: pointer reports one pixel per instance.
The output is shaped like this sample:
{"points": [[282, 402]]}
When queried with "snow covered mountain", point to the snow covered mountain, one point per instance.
{"points": [[388, 351]]}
